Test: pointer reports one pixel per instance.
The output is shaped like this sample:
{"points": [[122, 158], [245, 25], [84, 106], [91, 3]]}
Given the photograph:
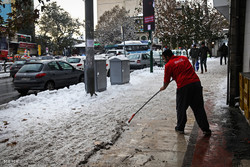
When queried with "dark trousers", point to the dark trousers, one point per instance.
{"points": [[203, 62], [191, 95], [221, 58]]}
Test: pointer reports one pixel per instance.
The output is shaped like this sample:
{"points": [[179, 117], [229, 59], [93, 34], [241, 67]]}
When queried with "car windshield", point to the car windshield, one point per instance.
{"points": [[31, 68], [73, 60], [111, 52], [134, 57]]}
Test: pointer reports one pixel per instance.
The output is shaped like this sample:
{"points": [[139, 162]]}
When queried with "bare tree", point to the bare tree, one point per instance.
{"points": [[108, 29], [179, 24]]}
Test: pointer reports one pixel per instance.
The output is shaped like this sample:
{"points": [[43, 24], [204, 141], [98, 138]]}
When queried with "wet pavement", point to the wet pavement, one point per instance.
{"points": [[150, 140]]}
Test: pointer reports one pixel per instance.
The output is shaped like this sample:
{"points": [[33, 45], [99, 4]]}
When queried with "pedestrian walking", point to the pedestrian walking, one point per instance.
{"points": [[223, 53], [203, 56], [189, 90], [165, 48], [194, 54]]}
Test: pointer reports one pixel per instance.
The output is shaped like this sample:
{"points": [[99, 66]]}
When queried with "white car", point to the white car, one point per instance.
{"points": [[157, 57], [77, 61], [116, 52]]}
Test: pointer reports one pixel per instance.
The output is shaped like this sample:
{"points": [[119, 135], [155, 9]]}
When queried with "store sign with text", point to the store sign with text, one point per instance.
{"points": [[27, 45], [148, 15]]}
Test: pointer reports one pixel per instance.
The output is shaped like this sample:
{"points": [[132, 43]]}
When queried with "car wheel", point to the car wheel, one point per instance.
{"points": [[81, 78], [50, 85], [23, 91]]}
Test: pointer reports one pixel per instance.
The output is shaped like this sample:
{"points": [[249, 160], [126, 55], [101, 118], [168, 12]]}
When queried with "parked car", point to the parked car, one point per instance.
{"points": [[179, 52], [139, 60], [46, 75], [158, 59], [16, 66], [77, 61], [116, 52]]}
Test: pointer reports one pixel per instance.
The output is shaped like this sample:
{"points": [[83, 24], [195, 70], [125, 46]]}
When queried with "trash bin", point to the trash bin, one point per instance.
{"points": [[119, 70], [100, 74]]}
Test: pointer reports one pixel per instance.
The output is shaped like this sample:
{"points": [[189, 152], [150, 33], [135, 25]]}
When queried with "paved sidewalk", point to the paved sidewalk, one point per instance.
{"points": [[150, 140], [154, 143]]}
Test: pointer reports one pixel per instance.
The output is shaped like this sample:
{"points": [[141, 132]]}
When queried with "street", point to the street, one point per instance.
{"points": [[7, 91]]}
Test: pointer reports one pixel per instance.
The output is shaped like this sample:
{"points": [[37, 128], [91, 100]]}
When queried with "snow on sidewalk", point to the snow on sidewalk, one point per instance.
{"points": [[63, 126]]}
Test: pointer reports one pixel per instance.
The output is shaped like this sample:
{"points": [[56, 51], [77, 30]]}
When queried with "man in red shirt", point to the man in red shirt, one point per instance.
{"points": [[189, 90]]}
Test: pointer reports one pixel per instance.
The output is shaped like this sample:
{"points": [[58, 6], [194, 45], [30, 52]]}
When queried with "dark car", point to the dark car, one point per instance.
{"points": [[16, 66], [46, 75]]}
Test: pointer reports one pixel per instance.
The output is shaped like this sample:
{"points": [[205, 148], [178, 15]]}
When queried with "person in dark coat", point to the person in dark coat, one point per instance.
{"points": [[203, 56], [223, 53], [194, 54]]}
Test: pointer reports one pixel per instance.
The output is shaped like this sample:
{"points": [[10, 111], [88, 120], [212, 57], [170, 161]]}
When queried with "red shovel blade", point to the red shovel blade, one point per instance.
{"points": [[131, 118]]}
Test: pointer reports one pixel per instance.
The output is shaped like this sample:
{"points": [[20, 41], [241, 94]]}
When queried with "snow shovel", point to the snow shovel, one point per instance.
{"points": [[142, 106]]}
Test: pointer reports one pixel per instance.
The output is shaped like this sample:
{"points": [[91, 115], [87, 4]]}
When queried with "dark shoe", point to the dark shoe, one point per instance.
{"points": [[205, 70], [207, 133], [201, 72], [179, 131]]}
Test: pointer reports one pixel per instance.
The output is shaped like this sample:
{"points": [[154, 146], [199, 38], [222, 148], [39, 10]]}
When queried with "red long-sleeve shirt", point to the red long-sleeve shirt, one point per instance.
{"points": [[181, 70]]}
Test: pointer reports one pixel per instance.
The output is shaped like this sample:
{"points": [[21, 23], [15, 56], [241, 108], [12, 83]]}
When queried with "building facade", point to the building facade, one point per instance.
{"points": [[23, 41], [238, 13], [129, 5], [106, 5]]}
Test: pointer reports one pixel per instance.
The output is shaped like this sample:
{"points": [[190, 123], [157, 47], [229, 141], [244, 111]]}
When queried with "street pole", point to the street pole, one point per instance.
{"points": [[151, 52], [89, 65], [123, 38]]}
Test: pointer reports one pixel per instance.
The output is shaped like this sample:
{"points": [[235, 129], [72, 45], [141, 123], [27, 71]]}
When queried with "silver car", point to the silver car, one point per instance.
{"points": [[46, 75], [139, 60]]}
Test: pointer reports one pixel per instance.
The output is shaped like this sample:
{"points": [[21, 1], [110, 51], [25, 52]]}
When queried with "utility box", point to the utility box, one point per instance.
{"points": [[100, 74], [119, 70]]}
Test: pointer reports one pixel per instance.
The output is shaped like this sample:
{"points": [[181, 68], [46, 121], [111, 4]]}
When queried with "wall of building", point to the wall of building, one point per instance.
{"points": [[106, 5], [246, 58]]}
